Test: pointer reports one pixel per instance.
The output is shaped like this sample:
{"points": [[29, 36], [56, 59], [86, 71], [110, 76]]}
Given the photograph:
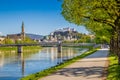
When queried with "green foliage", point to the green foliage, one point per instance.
{"points": [[84, 39], [51, 70], [18, 42], [102, 32], [114, 68], [29, 48], [11, 41], [25, 48], [27, 40], [8, 48], [97, 15], [68, 41], [7, 41]]}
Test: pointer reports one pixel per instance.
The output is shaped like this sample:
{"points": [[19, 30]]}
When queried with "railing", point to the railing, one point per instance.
{"points": [[45, 44]]}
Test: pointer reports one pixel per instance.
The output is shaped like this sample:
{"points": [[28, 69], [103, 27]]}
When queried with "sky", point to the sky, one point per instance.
{"points": [[39, 17]]}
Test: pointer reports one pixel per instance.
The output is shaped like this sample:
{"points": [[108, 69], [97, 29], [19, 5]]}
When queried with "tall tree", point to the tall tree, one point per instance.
{"points": [[101, 17]]}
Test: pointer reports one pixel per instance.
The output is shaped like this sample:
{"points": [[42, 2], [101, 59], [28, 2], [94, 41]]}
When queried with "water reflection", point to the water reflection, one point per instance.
{"points": [[16, 65], [1, 60], [21, 57]]}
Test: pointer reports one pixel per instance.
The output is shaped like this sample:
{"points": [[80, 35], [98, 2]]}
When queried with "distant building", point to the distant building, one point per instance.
{"points": [[19, 36], [1, 39], [65, 34]]}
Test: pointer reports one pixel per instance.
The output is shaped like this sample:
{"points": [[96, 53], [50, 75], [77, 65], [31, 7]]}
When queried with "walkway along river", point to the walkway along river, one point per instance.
{"points": [[14, 66]]}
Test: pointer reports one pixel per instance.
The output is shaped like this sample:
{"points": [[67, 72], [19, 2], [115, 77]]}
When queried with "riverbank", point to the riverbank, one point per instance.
{"points": [[14, 49], [51, 70], [114, 68]]}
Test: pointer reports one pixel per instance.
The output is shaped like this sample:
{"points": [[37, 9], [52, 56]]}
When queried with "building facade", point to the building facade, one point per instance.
{"points": [[19, 36]]}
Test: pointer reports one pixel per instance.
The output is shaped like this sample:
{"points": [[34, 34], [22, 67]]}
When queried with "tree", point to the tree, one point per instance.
{"points": [[102, 17], [7, 41], [84, 39], [28, 40]]}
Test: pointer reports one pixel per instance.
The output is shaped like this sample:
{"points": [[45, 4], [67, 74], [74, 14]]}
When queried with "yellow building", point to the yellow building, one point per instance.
{"points": [[1, 39]]}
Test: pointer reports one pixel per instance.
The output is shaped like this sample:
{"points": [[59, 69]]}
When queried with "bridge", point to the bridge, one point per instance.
{"points": [[52, 44], [47, 44], [19, 46]]}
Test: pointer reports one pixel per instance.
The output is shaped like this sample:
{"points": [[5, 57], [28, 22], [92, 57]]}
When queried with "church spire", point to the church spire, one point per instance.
{"points": [[23, 31]]}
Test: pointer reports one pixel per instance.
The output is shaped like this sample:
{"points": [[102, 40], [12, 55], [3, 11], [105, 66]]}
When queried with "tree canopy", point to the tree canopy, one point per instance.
{"points": [[94, 14]]}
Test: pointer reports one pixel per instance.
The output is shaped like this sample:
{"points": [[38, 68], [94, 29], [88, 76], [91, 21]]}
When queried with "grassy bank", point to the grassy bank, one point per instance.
{"points": [[89, 47], [114, 68], [46, 72], [29, 48], [8, 48], [25, 48]]}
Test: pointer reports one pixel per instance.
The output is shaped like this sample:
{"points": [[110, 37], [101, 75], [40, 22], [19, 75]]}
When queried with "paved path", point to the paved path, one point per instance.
{"points": [[89, 68]]}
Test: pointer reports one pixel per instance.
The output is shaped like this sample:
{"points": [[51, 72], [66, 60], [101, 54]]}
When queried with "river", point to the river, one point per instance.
{"points": [[13, 66]]}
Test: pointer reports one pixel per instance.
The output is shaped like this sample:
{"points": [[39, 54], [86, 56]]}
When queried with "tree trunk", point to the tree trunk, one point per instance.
{"points": [[118, 47], [117, 24], [112, 45]]}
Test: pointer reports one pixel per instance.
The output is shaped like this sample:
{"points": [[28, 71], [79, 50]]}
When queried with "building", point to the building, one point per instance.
{"points": [[19, 36], [1, 39], [65, 34]]}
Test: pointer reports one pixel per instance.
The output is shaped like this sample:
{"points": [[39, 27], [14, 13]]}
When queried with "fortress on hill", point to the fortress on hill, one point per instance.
{"points": [[65, 34]]}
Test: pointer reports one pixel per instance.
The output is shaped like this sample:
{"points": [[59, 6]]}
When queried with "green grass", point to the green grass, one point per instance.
{"points": [[114, 68], [8, 48], [89, 47], [51, 70], [31, 47], [15, 48]]}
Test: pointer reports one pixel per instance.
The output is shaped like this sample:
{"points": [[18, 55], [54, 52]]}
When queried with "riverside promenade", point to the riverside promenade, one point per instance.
{"points": [[91, 67]]}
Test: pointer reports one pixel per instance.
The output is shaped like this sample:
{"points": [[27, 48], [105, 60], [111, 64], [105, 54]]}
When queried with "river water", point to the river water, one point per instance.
{"points": [[13, 66]]}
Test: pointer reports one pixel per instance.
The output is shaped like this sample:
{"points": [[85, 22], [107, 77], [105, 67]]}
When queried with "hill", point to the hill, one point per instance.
{"points": [[35, 36]]}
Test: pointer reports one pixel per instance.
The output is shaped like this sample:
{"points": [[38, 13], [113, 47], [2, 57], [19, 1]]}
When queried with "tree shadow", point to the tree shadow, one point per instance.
{"points": [[89, 72], [82, 71]]}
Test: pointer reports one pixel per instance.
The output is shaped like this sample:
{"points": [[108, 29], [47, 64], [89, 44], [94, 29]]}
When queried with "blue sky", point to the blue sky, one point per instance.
{"points": [[39, 16]]}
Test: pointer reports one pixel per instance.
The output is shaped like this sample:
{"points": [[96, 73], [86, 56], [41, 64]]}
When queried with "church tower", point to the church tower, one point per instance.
{"points": [[23, 31]]}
